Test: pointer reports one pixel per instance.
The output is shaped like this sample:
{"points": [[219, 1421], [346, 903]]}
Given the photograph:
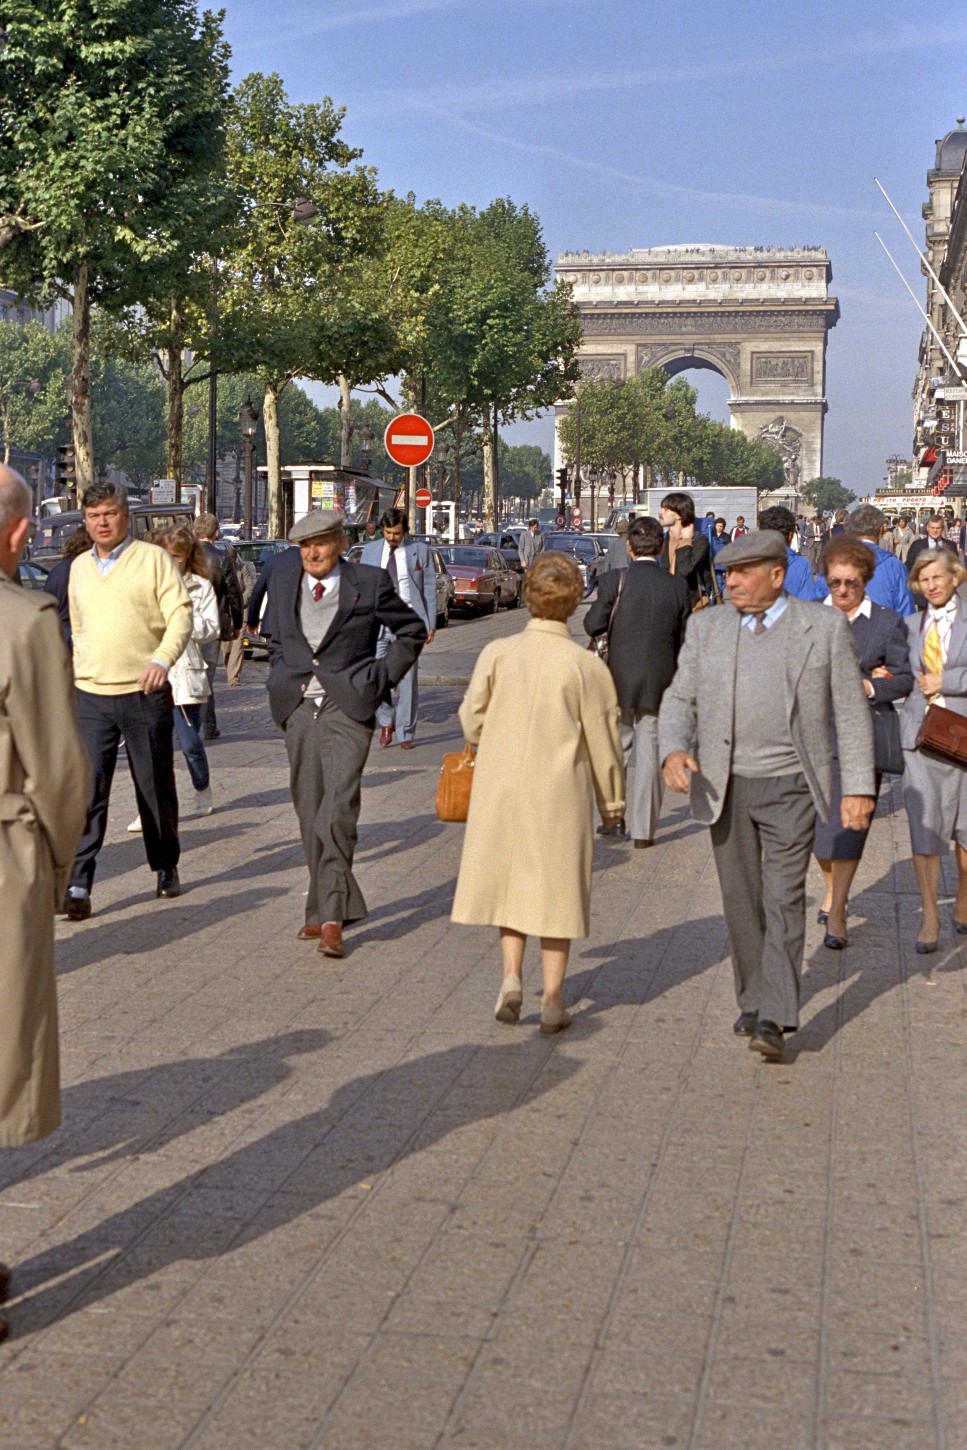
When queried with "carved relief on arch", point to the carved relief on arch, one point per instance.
{"points": [[723, 357], [595, 366]]}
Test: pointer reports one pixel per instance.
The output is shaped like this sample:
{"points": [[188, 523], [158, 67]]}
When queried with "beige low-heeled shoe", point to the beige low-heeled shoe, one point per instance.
{"points": [[510, 999], [554, 1019]]}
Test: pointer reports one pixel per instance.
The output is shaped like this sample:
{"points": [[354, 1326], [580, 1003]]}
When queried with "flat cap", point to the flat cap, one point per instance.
{"points": [[758, 546], [316, 523], [622, 527]]}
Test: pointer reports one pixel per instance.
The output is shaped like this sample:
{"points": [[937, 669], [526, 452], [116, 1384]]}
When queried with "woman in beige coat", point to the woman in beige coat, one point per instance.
{"points": [[544, 715]]}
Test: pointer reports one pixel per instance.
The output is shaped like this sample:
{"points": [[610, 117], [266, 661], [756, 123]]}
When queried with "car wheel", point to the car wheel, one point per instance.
{"points": [[491, 608], [515, 602], [443, 619]]}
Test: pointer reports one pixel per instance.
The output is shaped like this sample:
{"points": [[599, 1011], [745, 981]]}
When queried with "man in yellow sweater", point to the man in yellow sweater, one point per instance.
{"points": [[130, 619]]}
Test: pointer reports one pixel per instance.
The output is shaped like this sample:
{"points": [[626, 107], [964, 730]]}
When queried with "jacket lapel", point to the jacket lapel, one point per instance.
{"points": [[958, 635]]}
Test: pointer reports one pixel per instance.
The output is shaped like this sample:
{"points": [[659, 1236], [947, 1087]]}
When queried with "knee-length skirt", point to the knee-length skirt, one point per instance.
{"points": [[935, 797], [831, 841]]}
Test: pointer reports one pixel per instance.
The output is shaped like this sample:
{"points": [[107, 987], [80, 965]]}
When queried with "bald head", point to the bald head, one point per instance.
{"points": [[15, 503]]}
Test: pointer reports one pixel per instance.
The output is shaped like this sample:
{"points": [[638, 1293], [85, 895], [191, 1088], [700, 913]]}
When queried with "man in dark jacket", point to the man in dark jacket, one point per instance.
{"points": [[935, 540], [322, 623], [228, 593], [647, 627]]}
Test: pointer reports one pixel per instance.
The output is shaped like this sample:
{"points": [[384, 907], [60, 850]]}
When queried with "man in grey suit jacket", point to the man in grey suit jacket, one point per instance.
{"points": [[409, 564], [745, 728]]}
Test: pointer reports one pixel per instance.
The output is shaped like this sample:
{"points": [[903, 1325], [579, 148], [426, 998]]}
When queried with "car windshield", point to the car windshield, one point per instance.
{"points": [[571, 544], [469, 558]]}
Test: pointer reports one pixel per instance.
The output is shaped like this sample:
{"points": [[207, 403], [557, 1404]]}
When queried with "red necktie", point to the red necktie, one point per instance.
{"points": [[318, 590]]}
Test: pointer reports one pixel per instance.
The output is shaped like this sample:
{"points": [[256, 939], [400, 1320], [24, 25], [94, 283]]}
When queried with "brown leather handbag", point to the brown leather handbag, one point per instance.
{"points": [[944, 733], [453, 790]]}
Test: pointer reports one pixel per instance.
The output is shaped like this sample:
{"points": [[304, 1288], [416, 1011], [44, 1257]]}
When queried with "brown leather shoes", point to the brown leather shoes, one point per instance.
{"points": [[385, 736], [330, 940], [407, 744], [312, 931]]}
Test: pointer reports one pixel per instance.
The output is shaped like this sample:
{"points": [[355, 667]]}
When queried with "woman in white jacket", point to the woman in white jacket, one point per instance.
{"points": [[188, 676]]}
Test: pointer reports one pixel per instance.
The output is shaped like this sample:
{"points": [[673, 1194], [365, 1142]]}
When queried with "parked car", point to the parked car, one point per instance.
{"points": [[257, 552], [507, 542], [53, 532], [445, 588], [482, 578], [32, 574], [586, 552]]}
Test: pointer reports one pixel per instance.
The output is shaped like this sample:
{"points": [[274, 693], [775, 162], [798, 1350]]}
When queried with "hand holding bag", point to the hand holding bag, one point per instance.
{"points": [[453, 790], [944, 733]]}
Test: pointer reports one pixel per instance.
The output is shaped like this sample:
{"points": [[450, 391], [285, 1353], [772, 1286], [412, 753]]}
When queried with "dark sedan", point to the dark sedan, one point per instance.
{"points": [[507, 544], [586, 552], [481, 577]]}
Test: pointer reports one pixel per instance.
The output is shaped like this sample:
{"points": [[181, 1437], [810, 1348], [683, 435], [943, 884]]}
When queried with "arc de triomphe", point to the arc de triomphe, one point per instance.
{"points": [[757, 315]]}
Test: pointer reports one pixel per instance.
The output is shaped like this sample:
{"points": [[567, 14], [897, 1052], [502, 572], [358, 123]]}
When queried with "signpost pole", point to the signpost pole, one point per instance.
{"points": [[411, 487]]}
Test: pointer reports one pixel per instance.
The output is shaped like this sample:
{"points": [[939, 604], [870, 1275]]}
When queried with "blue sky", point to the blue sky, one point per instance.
{"points": [[640, 124]]}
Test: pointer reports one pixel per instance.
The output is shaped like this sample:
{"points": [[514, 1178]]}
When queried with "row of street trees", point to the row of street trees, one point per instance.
{"points": [[648, 427], [203, 229]]}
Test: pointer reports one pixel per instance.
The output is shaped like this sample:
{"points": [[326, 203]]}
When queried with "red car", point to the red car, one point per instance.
{"points": [[481, 577]]}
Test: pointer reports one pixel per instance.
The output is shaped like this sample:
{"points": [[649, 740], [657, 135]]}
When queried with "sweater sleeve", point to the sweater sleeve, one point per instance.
{"points": [[175, 606]]}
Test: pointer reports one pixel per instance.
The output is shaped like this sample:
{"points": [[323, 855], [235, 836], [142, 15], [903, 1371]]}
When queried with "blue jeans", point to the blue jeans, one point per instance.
{"points": [[192, 746]]}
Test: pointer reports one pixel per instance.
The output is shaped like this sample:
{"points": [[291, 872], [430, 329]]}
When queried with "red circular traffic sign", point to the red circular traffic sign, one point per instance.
{"points": [[409, 440], [423, 498]]}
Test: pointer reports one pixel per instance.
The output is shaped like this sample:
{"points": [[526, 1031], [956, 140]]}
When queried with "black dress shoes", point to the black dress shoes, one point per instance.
{"points": [[744, 1024], [617, 830], [767, 1039], [834, 943], [168, 883], [77, 908], [4, 1283], [822, 917]]}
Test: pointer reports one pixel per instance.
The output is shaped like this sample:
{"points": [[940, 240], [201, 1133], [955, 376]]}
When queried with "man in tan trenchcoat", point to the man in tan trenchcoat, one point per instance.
{"points": [[43, 803]]}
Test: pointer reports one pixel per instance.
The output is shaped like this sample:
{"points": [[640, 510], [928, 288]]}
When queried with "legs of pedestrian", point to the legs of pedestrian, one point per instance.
{"points": [[554, 955], [148, 728], [407, 705], [327, 752], [211, 653], [187, 720], [233, 655], [101, 733], [385, 713], [639, 737], [927, 871], [838, 878], [511, 995]]}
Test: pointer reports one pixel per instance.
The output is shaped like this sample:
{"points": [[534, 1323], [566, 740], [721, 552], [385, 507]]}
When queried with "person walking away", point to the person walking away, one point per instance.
{"points": [[889, 583], [880, 638], [684, 552], [935, 789], [228, 593], [646, 635], [43, 802], [323, 624], [617, 555], [409, 564], [130, 619], [530, 543], [744, 727], [903, 537], [799, 575], [538, 707], [188, 676], [233, 651]]}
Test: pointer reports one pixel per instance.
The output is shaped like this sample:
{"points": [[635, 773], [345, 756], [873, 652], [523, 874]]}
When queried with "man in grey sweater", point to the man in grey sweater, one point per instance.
{"points": [[745, 728]]}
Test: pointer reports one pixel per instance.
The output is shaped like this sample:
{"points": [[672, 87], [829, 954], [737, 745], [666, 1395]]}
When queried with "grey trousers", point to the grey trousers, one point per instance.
{"points": [[639, 737], [211, 653], [402, 715], [327, 752], [762, 843]]}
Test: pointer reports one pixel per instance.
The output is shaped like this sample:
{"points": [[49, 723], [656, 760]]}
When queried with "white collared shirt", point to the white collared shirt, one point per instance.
{"points": [[769, 616], [329, 583], [864, 608], [402, 573]]}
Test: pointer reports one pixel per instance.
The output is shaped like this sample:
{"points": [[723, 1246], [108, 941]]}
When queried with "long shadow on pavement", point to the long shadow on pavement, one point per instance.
{"points": [[370, 1124], [638, 970]]}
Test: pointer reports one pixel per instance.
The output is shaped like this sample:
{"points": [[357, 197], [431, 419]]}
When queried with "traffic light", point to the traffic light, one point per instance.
{"points": [[65, 469], [562, 479]]}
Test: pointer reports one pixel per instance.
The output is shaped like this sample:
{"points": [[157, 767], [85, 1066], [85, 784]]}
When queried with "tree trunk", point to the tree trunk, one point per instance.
{"points": [[490, 471], [176, 397], [456, 467], [345, 423], [273, 458], [81, 421]]}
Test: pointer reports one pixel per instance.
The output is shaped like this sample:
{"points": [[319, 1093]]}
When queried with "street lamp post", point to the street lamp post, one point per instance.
{"points": [[248, 420], [366, 440]]}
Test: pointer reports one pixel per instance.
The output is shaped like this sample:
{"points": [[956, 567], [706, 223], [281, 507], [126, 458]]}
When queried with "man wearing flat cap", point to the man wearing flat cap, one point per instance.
{"points": [[322, 622], [745, 728]]}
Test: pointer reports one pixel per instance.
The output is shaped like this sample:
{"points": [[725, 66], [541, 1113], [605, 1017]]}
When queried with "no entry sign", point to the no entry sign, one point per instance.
{"points": [[409, 440], [423, 498]]}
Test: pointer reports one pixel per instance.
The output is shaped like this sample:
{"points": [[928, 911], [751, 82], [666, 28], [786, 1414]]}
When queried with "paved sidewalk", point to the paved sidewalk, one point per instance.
{"points": [[301, 1203]]}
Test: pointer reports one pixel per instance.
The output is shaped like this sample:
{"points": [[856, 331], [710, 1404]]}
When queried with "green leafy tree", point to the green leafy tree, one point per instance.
{"points": [[827, 494], [129, 418], [33, 395], [111, 125]]}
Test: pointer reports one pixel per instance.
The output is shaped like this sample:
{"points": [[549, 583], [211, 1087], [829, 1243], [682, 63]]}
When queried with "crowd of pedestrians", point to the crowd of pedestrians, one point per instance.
{"points": [[778, 711]]}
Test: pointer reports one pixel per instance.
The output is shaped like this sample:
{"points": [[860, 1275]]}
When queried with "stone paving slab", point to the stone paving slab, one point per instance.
{"points": [[303, 1203]]}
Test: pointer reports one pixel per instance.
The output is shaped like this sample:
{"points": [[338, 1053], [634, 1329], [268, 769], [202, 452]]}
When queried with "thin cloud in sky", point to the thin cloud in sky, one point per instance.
{"points": [[651, 185], [350, 16], [530, 88]]}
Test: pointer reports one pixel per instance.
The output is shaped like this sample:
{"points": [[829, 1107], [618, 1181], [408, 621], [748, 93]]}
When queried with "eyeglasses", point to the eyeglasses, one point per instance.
{"points": [[850, 584]]}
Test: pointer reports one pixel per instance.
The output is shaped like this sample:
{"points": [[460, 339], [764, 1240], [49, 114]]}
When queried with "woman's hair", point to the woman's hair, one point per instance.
{"points": [[720, 521], [79, 542], [553, 586], [182, 544], [848, 551], [936, 556], [681, 504]]}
